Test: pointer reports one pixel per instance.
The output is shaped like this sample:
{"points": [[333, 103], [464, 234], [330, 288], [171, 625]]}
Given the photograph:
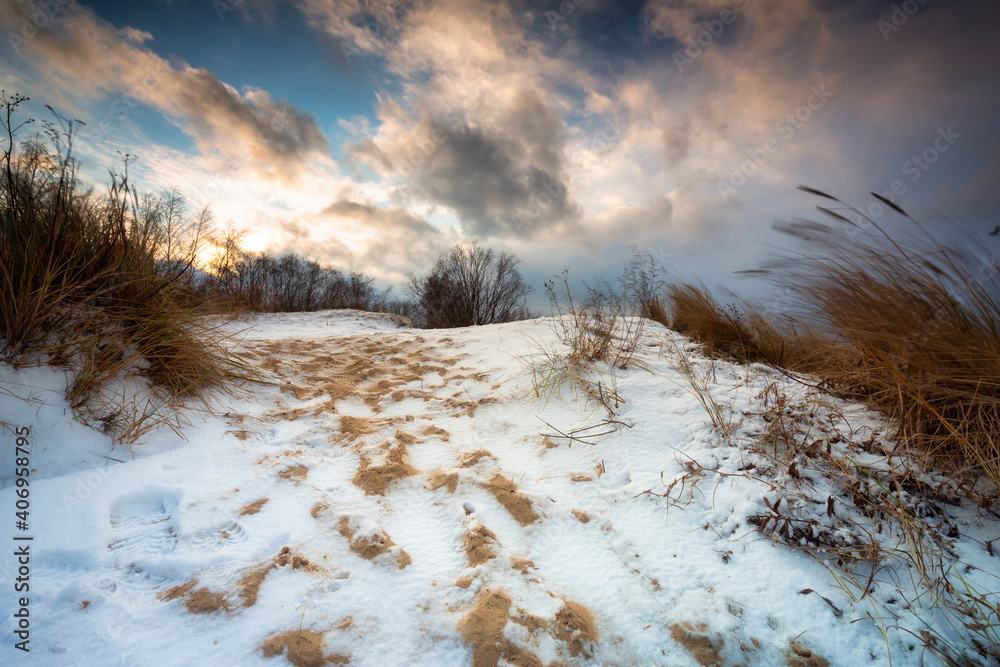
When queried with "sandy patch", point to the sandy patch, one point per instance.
{"points": [[302, 649], [294, 473], [530, 622], [483, 629], [472, 458], [300, 393], [401, 395], [251, 582], [432, 430], [288, 415], [468, 408], [517, 505], [355, 428], [201, 601], [699, 645], [374, 479], [575, 625], [371, 547], [441, 478], [374, 371], [204, 601], [253, 507], [271, 365], [404, 438], [478, 545], [581, 516], [521, 565], [175, 592], [801, 656], [318, 508]]}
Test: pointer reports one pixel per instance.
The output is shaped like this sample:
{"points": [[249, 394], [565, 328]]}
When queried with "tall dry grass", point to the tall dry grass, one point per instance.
{"points": [[908, 322], [920, 312], [597, 337], [100, 285]]}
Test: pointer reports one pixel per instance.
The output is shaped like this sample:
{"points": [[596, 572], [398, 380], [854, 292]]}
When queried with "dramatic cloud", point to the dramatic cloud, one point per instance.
{"points": [[475, 130], [379, 220], [360, 27], [564, 130], [387, 242], [85, 55], [502, 179]]}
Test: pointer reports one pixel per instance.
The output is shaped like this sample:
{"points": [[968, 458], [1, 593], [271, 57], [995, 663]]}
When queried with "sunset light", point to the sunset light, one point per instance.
{"points": [[500, 333], [576, 132]]}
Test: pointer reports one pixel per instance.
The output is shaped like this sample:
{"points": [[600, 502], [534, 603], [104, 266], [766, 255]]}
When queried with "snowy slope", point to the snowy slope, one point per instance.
{"points": [[405, 498]]}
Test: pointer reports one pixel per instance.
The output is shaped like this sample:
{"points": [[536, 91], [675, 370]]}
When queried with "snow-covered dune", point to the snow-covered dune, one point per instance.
{"points": [[403, 497]]}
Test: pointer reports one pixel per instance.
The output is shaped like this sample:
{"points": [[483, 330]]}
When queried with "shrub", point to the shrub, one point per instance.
{"points": [[922, 318], [286, 283], [597, 337], [101, 284], [469, 286], [741, 331], [905, 322]]}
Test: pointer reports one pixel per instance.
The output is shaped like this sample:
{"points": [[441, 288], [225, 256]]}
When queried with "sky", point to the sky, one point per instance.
{"points": [[373, 134]]}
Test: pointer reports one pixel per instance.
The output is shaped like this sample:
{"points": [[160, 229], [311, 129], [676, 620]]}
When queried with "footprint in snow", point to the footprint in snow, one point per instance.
{"points": [[142, 524], [217, 537]]}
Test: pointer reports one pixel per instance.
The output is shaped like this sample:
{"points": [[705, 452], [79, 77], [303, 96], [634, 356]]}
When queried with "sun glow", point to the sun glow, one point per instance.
{"points": [[254, 242]]}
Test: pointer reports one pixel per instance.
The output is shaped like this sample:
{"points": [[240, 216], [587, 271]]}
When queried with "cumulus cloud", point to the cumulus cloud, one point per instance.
{"points": [[89, 57], [389, 222], [387, 242], [502, 176], [475, 129], [569, 140]]}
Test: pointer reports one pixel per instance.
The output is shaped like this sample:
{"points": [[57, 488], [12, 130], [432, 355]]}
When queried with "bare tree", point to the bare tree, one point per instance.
{"points": [[468, 286]]}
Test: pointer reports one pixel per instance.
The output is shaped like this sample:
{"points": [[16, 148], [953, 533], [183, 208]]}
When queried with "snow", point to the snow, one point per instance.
{"points": [[375, 456]]}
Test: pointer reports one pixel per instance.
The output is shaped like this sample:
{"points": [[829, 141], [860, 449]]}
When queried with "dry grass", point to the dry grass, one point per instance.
{"points": [[598, 337], [887, 514], [906, 323], [739, 331], [101, 286], [877, 519], [921, 317], [699, 386]]}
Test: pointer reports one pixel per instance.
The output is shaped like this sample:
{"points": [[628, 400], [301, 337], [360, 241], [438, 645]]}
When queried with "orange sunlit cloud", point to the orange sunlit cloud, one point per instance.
{"points": [[372, 134]]}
